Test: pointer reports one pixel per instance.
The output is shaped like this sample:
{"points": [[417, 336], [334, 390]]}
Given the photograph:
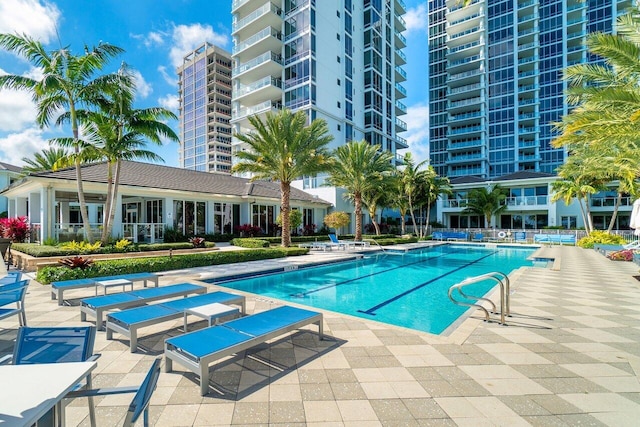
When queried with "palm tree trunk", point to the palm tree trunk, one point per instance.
{"points": [[374, 222], [426, 227], [413, 217], [83, 205], [403, 221], [612, 223], [358, 204], [106, 220], [587, 202], [584, 216], [285, 191], [114, 198]]}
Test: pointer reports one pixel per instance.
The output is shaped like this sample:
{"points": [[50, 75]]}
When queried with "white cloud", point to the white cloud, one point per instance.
{"points": [[36, 18], [16, 108], [153, 39], [170, 102], [416, 18], [417, 134], [185, 38], [169, 78], [15, 146], [143, 88]]}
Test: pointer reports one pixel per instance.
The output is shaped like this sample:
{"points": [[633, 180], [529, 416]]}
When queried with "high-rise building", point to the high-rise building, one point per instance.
{"points": [[336, 60], [495, 80], [205, 110]]}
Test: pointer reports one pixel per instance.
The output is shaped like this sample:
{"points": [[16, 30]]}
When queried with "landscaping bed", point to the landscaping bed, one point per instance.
{"points": [[111, 267]]}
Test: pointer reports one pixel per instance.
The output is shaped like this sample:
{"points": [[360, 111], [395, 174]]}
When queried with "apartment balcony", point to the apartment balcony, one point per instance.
{"points": [[528, 130], [527, 88], [268, 39], [465, 145], [401, 25], [268, 63], [527, 4], [527, 116], [401, 143], [401, 58], [465, 63], [401, 41], [401, 92], [401, 109], [466, 91], [244, 7], [470, 104], [528, 102], [401, 74], [296, 6], [527, 18], [463, 118], [466, 158], [399, 7], [526, 32], [524, 143], [576, 21], [466, 77], [576, 35], [268, 14], [456, 8], [528, 74], [465, 130], [241, 115], [529, 158], [468, 49], [528, 46], [401, 126], [462, 35], [465, 171], [266, 88], [579, 5], [463, 23], [523, 201]]}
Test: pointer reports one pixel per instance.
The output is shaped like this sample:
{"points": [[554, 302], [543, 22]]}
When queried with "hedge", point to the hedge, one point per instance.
{"points": [[249, 242], [294, 239], [396, 241], [47, 275], [37, 250]]}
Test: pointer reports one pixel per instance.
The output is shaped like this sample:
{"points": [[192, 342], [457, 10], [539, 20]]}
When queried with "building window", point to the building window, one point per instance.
{"points": [[338, 59], [569, 222], [338, 104], [338, 80]]}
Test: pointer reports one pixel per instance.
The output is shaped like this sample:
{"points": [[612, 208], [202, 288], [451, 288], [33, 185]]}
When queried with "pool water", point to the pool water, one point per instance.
{"points": [[404, 289]]}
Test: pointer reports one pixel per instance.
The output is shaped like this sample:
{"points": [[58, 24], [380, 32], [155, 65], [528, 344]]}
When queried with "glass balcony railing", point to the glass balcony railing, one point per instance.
{"points": [[401, 71], [401, 124], [256, 38], [267, 81], [258, 60], [401, 89], [255, 15], [255, 109]]}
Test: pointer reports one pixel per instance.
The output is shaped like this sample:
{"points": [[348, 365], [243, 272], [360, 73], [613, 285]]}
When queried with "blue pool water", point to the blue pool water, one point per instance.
{"points": [[408, 289]]}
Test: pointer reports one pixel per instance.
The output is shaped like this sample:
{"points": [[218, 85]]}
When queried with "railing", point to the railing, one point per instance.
{"points": [[526, 201], [69, 232], [266, 32], [500, 278], [257, 61], [401, 71], [267, 81], [610, 201], [256, 14]]}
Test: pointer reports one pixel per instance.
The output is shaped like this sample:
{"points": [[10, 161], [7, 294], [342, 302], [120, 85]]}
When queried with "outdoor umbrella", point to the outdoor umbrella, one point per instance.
{"points": [[635, 218]]}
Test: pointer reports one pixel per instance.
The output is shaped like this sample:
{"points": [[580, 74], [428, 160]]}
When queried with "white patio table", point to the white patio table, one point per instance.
{"points": [[29, 392]]}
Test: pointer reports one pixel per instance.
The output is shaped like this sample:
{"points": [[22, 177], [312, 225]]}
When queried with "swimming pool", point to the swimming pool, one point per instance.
{"points": [[404, 289]]}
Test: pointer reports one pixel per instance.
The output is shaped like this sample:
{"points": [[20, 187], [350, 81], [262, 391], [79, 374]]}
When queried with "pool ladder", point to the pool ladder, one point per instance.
{"points": [[500, 278]]}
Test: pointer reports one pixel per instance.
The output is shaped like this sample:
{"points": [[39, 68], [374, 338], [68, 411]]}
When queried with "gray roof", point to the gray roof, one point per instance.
{"points": [[466, 179], [10, 168], [137, 174]]}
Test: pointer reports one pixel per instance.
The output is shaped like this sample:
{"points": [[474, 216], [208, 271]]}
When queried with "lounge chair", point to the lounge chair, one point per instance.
{"points": [[56, 345], [140, 403], [520, 237], [197, 350], [58, 288], [346, 243], [606, 249], [12, 300], [96, 306], [478, 237], [127, 322]]}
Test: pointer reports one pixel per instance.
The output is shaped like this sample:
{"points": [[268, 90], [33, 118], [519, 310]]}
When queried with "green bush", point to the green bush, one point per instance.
{"points": [[368, 236], [600, 237], [37, 250], [50, 274], [164, 246], [250, 243], [295, 239], [396, 241]]}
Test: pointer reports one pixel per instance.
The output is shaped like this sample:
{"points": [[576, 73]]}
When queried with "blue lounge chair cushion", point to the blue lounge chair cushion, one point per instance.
{"points": [[206, 341], [198, 300], [271, 320], [163, 290], [140, 314], [106, 300], [73, 283]]}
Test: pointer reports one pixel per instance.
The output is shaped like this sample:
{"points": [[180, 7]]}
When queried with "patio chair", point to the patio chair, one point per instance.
{"points": [[10, 294], [478, 237], [5, 251], [520, 237], [11, 277], [346, 243], [56, 345], [197, 350], [139, 404]]}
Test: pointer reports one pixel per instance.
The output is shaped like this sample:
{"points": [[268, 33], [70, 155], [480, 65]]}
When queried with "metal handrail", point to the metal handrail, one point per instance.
{"points": [[377, 244], [501, 278]]}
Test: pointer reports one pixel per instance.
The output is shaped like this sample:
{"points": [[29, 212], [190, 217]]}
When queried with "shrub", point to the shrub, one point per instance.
{"points": [[197, 242], [123, 245], [50, 241], [171, 235], [250, 243], [76, 262], [600, 237], [309, 230], [16, 229], [624, 255], [50, 274], [248, 230], [396, 241], [82, 247], [164, 246]]}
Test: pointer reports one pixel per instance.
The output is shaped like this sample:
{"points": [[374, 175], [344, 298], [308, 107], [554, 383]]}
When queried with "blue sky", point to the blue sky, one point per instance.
{"points": [[155, 34]]}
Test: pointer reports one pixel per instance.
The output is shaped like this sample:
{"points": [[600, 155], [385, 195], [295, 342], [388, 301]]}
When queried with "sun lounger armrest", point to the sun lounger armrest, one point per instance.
{"points": [[101, 392], [6, 360]]}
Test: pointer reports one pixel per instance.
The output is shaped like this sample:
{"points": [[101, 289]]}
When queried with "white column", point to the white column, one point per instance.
{"points": [[35, 212], [47, 210], [116, 228]]}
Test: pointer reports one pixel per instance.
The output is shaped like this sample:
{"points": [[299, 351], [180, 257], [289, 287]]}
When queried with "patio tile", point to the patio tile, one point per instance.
{"points": [[321, 411], [356, 410], [251, 413], [286, 412]]}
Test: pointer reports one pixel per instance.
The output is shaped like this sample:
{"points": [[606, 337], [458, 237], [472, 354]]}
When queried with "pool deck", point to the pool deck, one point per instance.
{"points": [[570, 356]]}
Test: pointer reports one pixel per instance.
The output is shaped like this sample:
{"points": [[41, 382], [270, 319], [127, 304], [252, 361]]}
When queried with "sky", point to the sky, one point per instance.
{"points": [[156, 34]]}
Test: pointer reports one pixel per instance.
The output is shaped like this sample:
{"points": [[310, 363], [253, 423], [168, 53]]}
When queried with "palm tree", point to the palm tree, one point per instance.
{"points": [[435, 186], [49, 159], [398, 199], [375, 197], [67, 84], [284, 148], [487, 203], [359, 168], [414, 180]]}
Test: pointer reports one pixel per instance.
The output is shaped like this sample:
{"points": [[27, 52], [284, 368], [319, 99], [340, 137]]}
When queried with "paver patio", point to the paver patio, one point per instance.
{"points": [[570, 356]]}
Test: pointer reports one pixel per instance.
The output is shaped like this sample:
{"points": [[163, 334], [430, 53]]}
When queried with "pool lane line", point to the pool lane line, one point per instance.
{"points": [[373, 309], [304, 294]]}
